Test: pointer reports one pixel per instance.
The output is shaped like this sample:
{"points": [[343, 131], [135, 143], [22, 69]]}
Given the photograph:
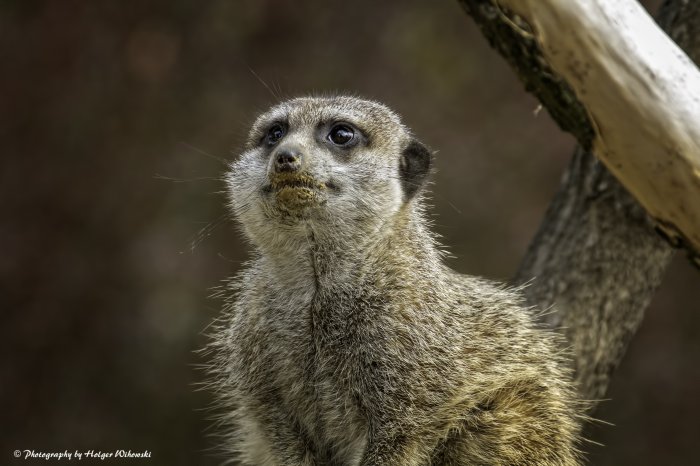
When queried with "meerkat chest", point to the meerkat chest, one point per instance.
{"points": [[344, 330], [309, 348], [318, 375]]}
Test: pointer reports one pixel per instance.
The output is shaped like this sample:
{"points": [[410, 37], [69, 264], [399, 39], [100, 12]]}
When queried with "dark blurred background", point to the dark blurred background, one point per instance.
{"points": [[106, 267]]}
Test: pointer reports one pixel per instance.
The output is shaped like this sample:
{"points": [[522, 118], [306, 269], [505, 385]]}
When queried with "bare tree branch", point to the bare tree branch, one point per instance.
{"points": [[596, 255], [598, 259]]}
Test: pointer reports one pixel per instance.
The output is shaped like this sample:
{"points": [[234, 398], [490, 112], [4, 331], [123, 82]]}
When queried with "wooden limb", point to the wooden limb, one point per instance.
{"points": [[596, 255], [598, 261], [641, 94]]}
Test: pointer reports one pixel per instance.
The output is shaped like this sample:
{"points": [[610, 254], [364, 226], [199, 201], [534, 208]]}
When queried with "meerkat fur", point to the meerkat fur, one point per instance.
{"points": [[346, 340]]}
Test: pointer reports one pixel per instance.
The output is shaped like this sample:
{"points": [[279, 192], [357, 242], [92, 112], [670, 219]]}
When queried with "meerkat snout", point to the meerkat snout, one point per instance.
{"points": [[287, 159]]}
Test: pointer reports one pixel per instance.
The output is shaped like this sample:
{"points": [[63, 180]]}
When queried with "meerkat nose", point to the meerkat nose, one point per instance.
{"points": [[288, 160]]}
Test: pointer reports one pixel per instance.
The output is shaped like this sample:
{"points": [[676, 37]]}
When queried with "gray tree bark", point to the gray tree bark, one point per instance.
{"points": [[597, 258]]}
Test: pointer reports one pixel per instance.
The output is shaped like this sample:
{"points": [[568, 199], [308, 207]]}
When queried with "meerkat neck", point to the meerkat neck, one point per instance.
{"points": [[334, 258], [326, 257]]}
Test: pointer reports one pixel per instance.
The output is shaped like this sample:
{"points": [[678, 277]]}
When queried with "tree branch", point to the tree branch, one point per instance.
{"points": [[596, 255], [639, 92]]}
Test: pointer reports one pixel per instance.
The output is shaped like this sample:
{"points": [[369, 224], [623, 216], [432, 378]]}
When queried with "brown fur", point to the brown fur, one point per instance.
{"points": [[347, 341]]}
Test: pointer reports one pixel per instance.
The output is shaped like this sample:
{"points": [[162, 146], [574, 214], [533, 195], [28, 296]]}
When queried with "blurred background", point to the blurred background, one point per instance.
{"points": [[114, 119]]}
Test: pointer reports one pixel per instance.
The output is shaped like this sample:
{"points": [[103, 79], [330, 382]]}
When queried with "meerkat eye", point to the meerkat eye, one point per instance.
{"points": [[341, 135], [275, 133]]}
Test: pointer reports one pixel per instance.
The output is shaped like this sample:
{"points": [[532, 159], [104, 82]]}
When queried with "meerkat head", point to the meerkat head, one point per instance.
{"points": [[327, 164]]}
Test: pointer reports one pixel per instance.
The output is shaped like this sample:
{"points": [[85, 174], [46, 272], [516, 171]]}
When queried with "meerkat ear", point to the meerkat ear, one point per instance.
{"points": [[414, 167]]}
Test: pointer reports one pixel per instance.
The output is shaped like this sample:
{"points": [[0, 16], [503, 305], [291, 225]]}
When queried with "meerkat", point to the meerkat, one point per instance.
{"points": [[346, 339]]}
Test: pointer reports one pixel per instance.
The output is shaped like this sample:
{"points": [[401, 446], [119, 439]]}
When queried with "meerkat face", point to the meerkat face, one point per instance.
{"points": [[322, 163]]}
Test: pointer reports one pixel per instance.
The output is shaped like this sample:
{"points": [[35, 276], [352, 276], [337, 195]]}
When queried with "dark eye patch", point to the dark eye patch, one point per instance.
{"points": [[275, 132], [341, 134]]}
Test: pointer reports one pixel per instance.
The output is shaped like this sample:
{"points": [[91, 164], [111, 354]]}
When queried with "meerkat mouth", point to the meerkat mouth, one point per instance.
{"points": [[295, 181], [294, 191]]}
